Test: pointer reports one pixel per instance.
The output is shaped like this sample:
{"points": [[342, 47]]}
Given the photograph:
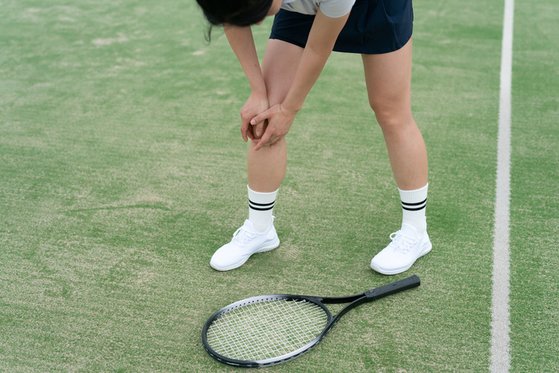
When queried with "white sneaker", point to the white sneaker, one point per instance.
{"points": [[406, 247], [246, 241]]}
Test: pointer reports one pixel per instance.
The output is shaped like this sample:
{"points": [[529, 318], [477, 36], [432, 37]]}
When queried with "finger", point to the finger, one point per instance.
{"points": [[244, 130], [264, 140], [250, 133], [261, 117], [258, 129]]}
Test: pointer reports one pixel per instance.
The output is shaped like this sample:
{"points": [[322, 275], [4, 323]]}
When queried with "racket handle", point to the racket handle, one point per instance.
{"points": [[392, 288]]}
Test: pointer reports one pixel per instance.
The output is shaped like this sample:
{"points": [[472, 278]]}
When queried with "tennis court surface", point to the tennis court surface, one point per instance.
{"points": [[122, 170]]}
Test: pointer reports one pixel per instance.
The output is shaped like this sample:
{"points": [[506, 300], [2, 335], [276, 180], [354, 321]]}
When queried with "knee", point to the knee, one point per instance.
{"points": [[280, 147], [391, 116]]}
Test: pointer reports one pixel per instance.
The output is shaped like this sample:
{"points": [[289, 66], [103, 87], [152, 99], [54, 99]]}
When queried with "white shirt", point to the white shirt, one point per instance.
{"points": [[331, 8]]}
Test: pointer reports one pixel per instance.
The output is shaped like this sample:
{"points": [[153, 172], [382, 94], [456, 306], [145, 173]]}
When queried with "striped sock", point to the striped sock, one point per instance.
{"points": [[260, 209], [414, 203]]}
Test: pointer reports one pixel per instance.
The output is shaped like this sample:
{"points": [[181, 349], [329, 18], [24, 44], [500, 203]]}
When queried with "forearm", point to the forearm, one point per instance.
{"points": [[311, 65], [321, 41], [322, 37], [242, 43]]}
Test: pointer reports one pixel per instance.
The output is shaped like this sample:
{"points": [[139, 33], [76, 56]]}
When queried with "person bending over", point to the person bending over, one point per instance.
{"points": [[303, 35]]}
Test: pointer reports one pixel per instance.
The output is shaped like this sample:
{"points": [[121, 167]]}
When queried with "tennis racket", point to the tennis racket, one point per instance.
{"points": [[271, 329]]}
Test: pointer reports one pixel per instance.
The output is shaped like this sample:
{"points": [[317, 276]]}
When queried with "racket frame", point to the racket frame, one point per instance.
{"points": [[353, 301]]}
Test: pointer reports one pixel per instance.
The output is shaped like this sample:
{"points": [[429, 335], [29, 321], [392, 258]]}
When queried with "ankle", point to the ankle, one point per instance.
{"points": [[260, 209], [414, 203]]}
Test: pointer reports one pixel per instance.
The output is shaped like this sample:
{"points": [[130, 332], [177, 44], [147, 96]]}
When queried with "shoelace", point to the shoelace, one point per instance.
{"points": [[243, 236], [403, 242]]}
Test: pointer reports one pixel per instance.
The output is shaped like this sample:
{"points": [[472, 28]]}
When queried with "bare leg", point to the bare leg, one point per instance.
{"points": [[388, 78], [267, 167]]}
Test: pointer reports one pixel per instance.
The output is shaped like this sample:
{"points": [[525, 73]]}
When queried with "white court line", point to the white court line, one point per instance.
{"points": [[500, 328]]}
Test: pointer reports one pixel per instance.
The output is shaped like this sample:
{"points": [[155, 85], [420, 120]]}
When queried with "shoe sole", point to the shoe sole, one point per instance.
{"points": [[272, 246], [424, 252]]}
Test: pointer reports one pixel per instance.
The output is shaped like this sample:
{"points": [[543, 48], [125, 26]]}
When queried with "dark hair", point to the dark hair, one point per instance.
{"points": [[234, 12]]}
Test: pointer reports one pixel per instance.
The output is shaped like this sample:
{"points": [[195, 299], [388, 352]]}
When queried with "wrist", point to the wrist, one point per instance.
{"points": [[258, 90], [258, 93], [291, 107]]}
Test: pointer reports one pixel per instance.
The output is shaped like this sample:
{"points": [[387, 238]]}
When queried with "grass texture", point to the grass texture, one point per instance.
{"points": [[122, 170]]}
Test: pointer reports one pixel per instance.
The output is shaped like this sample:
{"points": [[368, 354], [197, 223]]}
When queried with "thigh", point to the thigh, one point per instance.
{"points": [[279, 65], [388, 78]]}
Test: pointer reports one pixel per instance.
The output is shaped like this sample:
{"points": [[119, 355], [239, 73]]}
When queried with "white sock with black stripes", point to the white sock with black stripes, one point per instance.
{"points": [[260, 209], [414, 203]]}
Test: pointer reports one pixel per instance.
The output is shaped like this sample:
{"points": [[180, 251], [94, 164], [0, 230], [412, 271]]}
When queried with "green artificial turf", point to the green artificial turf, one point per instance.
{"points": [[535, 192], [122, 170]]}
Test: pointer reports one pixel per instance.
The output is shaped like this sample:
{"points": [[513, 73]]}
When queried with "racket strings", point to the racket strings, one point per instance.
{"points": [[267, 329]]}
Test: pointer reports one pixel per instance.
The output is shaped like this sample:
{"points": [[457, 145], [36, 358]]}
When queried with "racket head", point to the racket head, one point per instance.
{"points": [[265, 330]]}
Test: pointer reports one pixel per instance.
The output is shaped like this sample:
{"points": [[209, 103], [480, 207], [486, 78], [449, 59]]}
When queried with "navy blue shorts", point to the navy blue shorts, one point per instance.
{"points": [[373, 27]]}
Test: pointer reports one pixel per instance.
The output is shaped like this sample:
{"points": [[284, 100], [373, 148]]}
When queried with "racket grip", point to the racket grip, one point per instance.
{"points": [[394, 287]]}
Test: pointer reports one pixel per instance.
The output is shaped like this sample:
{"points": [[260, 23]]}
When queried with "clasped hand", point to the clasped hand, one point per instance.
{"points": [[276, 122]]}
